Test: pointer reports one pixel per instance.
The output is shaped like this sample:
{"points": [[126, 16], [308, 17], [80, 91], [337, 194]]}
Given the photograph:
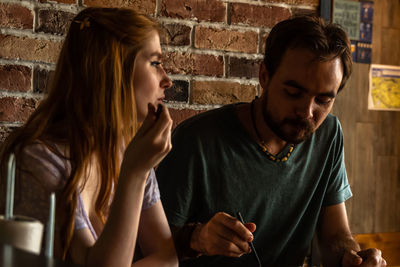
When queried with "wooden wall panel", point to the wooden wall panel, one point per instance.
{"points": [[364, 192], [387, 205], [390, 45], [372, 138], [389, 13], [385, 32]]}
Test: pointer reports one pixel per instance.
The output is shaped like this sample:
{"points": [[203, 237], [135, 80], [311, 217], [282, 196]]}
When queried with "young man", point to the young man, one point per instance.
{"points": [[278, 160]]}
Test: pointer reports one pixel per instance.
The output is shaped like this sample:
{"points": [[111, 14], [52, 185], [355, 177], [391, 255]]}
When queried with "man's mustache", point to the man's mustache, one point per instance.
{"points": [[299, 123]]}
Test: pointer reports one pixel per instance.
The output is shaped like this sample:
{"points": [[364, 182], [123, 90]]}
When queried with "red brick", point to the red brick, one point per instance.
{"points": [[221, 92], [41, 80], [254, 15], [142, 6], [201, 10], [59, 1], [179, 115], [4, 132], [16, 109], [227, 40], [15, 16], [15, 78], [264, 36], [29, 49], [175, 34], [179, 92], [297, 2], [304, 12], [242, 67], [54, 21], [196, 64]]}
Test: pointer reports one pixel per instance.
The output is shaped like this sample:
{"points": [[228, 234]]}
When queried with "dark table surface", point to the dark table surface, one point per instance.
{"points": [[13, 257]]}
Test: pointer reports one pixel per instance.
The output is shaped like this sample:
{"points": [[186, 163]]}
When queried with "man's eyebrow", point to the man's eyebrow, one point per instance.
{"points": [[295, 84]]}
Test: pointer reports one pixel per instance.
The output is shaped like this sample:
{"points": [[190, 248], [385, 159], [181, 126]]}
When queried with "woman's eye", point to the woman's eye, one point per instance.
{"points": [[155, 63]]}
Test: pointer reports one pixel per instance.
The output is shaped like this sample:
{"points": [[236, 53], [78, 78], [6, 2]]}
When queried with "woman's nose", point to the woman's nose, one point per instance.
{"points": [[166, 82]]}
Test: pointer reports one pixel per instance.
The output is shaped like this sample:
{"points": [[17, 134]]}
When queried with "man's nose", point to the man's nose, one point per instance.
{"points": [[305, 109]]}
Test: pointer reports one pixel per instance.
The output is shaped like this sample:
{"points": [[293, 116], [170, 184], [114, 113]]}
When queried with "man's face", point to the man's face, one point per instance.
{"points": [[300, 94]]}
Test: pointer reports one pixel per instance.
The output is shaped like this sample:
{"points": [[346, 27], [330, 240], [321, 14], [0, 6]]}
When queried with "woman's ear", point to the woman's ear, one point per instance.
{"points": [[263, 76]]}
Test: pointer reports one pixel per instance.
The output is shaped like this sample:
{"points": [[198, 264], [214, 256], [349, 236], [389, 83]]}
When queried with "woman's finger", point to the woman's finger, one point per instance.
{"points": [[148, 121], [163, 123]]}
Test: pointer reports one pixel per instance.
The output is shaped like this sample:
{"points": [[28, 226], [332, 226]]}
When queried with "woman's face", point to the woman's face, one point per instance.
{"points": [[150, 79]]}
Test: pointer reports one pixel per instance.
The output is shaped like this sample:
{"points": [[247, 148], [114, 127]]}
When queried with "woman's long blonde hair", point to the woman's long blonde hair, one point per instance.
{"points": [[91, 105]]}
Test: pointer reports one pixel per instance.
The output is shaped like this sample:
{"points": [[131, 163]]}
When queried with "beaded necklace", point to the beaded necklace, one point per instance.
{"points": [[262, 144]]}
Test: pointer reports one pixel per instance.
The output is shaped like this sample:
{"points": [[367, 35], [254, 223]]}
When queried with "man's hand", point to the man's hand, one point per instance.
{"points": [[223, 235], [370, 257]]}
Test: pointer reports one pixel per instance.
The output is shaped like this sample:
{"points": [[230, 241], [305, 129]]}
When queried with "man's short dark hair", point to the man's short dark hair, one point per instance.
{"points": [[326, 40]]}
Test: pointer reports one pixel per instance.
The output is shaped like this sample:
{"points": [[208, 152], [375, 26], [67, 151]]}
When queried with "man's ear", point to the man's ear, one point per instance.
{"points": [[263, 76]]}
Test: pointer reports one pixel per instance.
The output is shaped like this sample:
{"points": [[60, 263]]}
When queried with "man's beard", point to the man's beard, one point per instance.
{"points": [[299, 129]]}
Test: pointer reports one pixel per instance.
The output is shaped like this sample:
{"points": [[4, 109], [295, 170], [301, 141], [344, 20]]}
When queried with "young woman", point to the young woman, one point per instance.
{"points": [[95, 140]]}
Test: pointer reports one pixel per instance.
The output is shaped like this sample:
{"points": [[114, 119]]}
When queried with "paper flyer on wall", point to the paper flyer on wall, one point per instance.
{"points": [[347, 14], [384, 87]]}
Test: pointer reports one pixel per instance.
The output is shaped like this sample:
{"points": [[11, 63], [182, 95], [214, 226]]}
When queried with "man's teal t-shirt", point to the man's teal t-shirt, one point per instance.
{"points": [[216, 166]]}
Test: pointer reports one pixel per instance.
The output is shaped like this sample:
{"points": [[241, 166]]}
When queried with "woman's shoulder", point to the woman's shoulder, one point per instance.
{"points": [[46, 161]]}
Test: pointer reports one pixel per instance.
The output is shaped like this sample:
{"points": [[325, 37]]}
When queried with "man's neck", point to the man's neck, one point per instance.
{"points": [[265, 135]]}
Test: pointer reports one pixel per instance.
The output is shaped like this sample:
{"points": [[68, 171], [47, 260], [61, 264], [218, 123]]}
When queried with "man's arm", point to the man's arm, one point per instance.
{"points": [[222, 235], [337, 245]]}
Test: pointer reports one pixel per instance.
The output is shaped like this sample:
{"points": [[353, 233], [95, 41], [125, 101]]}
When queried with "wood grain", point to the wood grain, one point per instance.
{"points": [[372, 138]]}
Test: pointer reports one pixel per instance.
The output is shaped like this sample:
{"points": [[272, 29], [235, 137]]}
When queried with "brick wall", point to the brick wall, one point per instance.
{"points": [[212, 48]]}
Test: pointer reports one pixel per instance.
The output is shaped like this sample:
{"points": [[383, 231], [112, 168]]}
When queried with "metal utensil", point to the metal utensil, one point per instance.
{"points": [[240, 218]]}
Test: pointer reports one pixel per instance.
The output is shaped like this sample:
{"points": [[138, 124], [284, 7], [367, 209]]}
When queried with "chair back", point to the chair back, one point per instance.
{"points": [[20, 231]]}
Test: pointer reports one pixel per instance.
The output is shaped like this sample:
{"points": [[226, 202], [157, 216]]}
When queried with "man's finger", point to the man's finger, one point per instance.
{"points": [[250, 226], [227, 248], [351, 258], [235, 225], [370, 252], [231, 237]]}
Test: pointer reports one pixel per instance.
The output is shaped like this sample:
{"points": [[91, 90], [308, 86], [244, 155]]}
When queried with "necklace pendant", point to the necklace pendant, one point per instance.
{"points": [[262, 143]]}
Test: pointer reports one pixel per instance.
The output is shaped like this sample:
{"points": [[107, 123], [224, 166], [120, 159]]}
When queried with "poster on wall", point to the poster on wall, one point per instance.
{"points": [[384, 88], [366, 19], [356, 18], [364, 44], [347, 14]]}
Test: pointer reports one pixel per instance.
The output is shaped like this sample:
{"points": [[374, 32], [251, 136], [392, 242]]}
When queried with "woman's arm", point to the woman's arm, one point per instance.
{"points": [[115, 245], [155, 239]]}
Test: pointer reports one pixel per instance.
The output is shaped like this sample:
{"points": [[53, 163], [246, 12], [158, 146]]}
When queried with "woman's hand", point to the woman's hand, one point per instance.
{"points": [[151, 143]]}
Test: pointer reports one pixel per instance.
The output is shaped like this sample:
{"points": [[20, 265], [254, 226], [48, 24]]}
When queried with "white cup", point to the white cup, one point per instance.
{"points": [[22, 232]]}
